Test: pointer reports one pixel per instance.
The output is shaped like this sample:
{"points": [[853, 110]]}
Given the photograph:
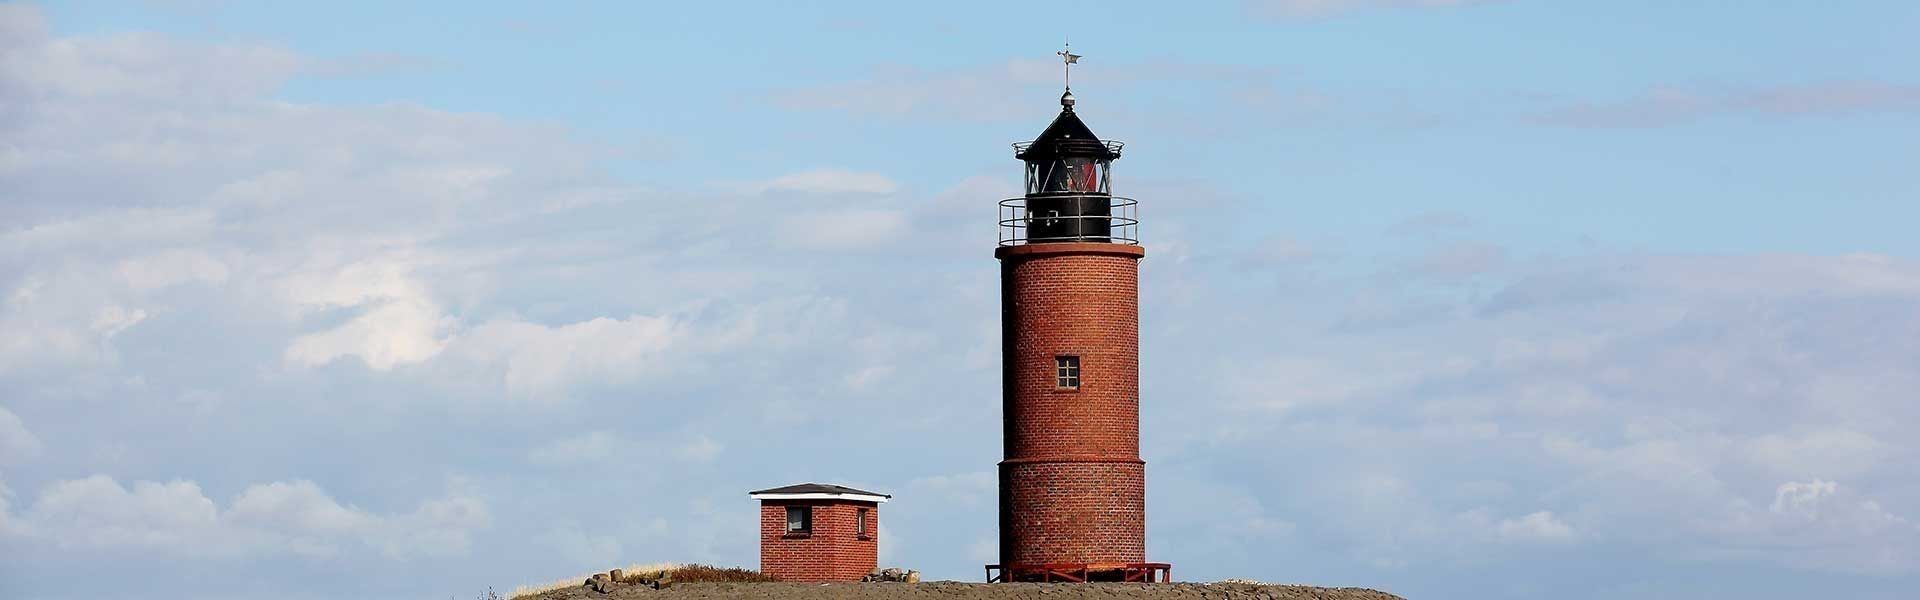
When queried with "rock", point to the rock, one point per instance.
{"points": [[616, 575], [601, 583], [892, 575]]}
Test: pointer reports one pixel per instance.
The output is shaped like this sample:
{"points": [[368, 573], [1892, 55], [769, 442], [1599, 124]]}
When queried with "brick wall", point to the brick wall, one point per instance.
{"points": [[1072, 486], [832, 552], [1082, 512]]}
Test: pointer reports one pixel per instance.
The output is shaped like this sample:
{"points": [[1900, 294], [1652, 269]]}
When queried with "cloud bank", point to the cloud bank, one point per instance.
{"points": [[451, 342]]}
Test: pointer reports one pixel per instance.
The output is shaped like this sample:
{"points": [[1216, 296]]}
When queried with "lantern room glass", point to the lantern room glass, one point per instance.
{"points": [[1070, 175]]}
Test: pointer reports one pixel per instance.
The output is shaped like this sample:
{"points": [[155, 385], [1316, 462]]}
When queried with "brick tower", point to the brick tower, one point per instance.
{"points": [[1072, 485]]}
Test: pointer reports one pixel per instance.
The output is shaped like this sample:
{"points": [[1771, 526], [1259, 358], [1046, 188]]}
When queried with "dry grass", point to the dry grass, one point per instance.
{"points": [[708, 573], [630, 573], [654, 572]]}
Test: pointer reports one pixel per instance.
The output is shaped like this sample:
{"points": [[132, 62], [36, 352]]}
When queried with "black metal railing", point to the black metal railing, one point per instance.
{"points": [[1120, 224], [1113, 146]]}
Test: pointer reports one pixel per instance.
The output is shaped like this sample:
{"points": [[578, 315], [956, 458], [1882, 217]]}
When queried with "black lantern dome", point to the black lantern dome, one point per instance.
{"points": [[1069, 183], [1067, 136]]}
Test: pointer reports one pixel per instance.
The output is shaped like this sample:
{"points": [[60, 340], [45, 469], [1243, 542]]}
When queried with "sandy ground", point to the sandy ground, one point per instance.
{"points": [[976, 591]]}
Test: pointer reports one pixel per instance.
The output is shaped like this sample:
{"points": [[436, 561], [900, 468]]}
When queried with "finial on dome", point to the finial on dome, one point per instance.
{"points": [[1069, 59], [1067, 56]]}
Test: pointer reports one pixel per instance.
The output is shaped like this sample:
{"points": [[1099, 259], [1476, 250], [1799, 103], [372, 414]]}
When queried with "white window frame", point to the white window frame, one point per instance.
{"points": [[1067, 372]]}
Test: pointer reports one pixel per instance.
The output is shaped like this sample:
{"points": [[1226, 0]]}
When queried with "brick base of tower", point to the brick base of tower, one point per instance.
{"points": [[1072, 485], [1073, 512]]}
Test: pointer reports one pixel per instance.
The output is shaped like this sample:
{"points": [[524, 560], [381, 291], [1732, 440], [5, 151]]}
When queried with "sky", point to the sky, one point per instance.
{"points": [[1449, 298]]}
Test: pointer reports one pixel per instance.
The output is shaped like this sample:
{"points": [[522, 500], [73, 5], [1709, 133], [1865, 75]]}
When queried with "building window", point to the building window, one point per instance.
{"points": [[1066, 372], [860, 523], [799, 520]]}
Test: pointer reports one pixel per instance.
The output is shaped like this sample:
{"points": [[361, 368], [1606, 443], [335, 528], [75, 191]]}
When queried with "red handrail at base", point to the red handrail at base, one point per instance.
{"points": [[1081, 572]]}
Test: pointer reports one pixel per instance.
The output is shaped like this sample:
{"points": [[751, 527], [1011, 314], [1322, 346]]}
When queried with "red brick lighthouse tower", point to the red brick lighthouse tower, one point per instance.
{"points": [[1072, 485]]}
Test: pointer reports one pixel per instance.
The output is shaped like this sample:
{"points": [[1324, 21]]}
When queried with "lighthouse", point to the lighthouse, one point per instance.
{"points": [[1072, 484]]}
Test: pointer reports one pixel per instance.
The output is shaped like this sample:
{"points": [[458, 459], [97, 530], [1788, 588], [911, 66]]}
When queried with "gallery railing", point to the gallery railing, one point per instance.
{"points": [[1121, 224]]}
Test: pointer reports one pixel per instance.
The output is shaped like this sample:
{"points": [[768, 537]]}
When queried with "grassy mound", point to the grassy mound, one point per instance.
{"points": [[662, 574]]}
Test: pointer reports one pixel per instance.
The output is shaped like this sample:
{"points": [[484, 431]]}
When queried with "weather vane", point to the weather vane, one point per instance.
{"points": [[1067, 56]]}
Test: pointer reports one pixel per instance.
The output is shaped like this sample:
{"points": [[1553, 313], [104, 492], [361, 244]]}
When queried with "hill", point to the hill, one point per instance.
{"points": [[948, 590]]}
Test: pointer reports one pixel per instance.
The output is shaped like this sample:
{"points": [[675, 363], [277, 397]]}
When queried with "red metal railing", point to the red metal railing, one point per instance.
{"points": [[1081, 572]]}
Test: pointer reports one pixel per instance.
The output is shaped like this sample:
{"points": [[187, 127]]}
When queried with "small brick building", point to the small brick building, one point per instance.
{"points": [[819, 532]]}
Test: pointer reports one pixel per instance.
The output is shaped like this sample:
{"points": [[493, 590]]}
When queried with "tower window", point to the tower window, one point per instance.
{"points": [[860, 523], [1066, 372], [799, 519]]}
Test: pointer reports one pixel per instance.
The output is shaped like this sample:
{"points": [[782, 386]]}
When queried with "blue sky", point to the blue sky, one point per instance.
{"points": [[1443, 297]]}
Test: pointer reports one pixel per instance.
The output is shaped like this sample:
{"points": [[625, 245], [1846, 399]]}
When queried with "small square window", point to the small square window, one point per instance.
{"points": [[799, 519], [1066, 372], [860, 523]]}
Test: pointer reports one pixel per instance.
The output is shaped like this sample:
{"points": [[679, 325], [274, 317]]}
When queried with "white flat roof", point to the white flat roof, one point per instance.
{"points": [[874, 498]]}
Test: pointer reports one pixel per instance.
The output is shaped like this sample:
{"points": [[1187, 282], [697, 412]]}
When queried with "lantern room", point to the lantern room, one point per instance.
{"points": [[1069, 188]]}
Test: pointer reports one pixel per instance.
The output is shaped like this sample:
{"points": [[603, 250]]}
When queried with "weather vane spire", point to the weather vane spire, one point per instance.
{"points": [[1067, 56]]}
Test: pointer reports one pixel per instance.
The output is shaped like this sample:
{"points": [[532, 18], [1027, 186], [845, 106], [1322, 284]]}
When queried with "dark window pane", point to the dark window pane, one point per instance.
{"points": [[799, 519]]}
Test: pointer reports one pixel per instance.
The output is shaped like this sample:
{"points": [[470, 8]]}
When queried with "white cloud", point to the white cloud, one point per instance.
{"points": [[1830, 452], [843, 229], [142, 163], [1802, 499], [1639, 400], [151, 68], [17, 443], [98, 512], [1540, 526], [290, 517], [9, 525], [171, 267], [1825, 525], [389, 334], [398, 321], [530, 360], [56, 321]]}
